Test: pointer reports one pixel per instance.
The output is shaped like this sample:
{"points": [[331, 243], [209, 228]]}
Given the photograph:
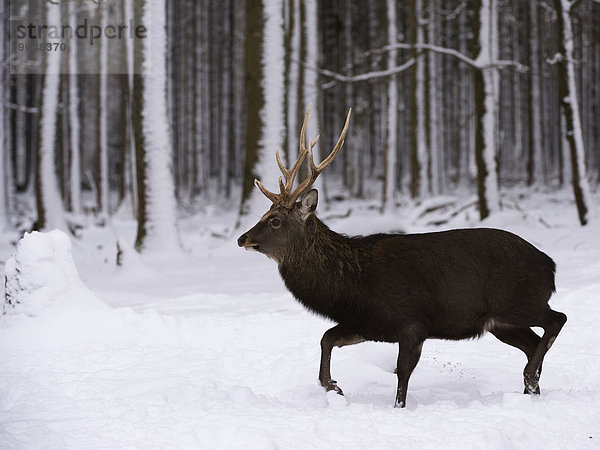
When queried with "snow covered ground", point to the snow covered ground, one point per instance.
{"points": [[208, 350]]}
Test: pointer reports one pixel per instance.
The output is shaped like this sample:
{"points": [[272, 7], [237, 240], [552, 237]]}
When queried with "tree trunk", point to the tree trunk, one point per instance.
{"points": [[74, 168], [391, 144], [49, 203], [419, 164], [239, 80], [310, 91], [157, 231], [255, 98], [264, 113], [129, 147], [291, 44], [4, 150], [535, 164], [300, 82], [21, 174], [570, 108], [436, 159], [486, 88], [226, 104], [348, 95], [102, 200], [466, 168], [200, 169], [4, 168]]}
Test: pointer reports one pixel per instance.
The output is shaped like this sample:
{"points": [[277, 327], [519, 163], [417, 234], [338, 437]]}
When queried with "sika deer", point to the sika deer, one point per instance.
{"points": [[454, 284]]}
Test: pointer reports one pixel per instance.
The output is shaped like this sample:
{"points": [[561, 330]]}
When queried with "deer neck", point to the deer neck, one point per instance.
{"points": [[323, 270]]}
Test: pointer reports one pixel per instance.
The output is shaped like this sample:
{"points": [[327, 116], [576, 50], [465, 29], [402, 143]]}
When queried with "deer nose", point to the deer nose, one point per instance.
{"points": [[242, 240]]}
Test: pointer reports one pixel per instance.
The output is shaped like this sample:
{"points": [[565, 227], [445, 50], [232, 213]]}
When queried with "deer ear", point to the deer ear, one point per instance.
{"points": [[309, 203]]}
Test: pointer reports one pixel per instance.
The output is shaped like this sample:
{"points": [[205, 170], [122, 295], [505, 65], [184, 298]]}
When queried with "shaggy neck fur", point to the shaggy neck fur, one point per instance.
{"points": [[323, 270]]}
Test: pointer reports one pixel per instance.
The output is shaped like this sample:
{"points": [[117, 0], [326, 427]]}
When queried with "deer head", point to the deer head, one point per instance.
{"points": [[284, 223]]}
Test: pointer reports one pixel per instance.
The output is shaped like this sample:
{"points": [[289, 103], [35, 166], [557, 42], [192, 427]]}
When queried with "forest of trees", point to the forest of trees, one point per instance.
{"points": [[447, 96]]}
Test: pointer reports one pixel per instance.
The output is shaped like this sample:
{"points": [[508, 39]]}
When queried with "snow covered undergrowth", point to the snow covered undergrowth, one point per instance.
{"points": [[208, 350], [41, 277]]}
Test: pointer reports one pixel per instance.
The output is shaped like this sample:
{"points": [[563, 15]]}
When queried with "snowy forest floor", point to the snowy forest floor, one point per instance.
{"points": [[207, 349]]}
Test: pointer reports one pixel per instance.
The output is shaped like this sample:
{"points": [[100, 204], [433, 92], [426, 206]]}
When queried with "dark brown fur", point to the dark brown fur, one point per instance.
{"points": [[454, 284]]}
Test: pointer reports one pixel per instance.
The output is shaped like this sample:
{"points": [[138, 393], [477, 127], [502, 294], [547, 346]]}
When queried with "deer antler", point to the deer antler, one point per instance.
{"points": [[286, 196]]}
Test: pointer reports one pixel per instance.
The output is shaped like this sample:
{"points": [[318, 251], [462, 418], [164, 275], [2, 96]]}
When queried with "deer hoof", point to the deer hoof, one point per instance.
{"points": [[331, 385], [530, 390]]}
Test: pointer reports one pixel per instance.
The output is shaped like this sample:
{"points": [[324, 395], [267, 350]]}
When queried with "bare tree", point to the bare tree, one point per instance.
{"points": [[487, 88], [103, 190], [6, 182], [225, 108], [157, 230], [49, 203], [254, 96], [436, 151], [570, 109], [486, 93], [391, 145], [264, 94], [74, 160], [419, 151], [535, 168]]}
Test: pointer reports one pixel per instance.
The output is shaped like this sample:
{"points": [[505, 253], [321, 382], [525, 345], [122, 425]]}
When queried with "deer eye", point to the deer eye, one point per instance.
{"points": [[275, 222]]}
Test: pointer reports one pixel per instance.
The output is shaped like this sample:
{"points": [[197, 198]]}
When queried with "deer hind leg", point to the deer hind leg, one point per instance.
{"points": [[338, 336], [409, 352], [525, 340], [552, 322]]}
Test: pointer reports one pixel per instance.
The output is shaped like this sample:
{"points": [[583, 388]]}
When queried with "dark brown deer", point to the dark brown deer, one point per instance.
{"points": [[454, 284]]}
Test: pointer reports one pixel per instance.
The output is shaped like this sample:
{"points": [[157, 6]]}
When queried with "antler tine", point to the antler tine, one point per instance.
{"points": [[290, 174], [286, 195], [279, 163], [336, 149], [270, 195], [315, 170]]}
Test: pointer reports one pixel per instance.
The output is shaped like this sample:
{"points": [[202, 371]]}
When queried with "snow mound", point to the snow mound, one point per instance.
{"points": [[41, 276]]}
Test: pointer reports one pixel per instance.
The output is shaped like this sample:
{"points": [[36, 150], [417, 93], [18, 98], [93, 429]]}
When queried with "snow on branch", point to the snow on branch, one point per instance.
{"points": [[501, 64], [451, 52], [571, 6], [454, 13], [557, 58], [363, 76], [15, 107], [504, 63], [547, 8]]}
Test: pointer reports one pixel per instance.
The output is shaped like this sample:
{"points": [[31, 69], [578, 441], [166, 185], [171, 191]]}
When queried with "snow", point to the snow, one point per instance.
{"points": [[41, 276], [208, 350]]}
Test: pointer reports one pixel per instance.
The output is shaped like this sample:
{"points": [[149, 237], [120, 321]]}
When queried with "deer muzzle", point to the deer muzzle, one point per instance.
{"points": [[243, 241]]}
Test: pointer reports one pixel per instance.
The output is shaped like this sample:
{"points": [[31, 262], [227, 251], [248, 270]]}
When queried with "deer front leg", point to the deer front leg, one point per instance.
{"points": [[338, 336]]}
